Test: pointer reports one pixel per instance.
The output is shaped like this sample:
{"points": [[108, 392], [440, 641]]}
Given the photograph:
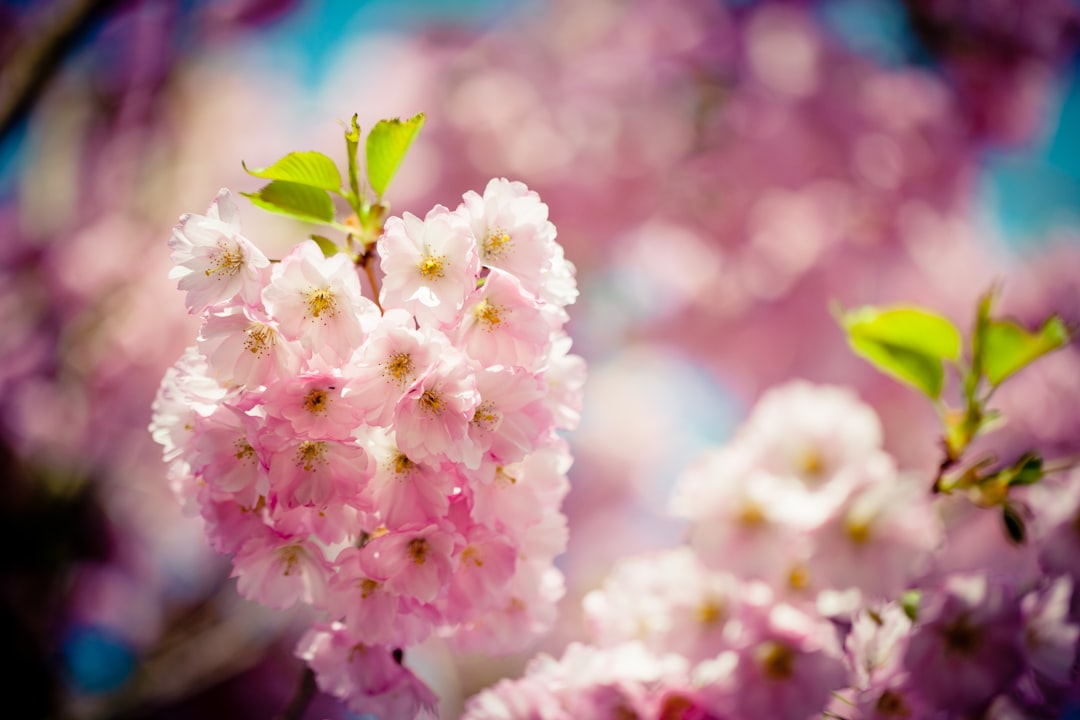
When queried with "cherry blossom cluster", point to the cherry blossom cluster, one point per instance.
{"points": [[393, 463], [817, 579]]}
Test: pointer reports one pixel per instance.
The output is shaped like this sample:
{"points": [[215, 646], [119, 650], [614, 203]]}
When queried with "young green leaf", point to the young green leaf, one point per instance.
{"points": [[312, 169], [352, 142], [329, 247], [910, 602], [387, 144], [908, 343], [1007, 347], [297, 201]]}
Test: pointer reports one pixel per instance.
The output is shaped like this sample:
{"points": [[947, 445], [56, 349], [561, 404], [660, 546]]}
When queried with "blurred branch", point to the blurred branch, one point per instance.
{"points": [[305, 691], [35, 57]]}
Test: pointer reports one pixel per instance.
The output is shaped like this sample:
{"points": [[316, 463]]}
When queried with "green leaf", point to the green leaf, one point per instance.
{"points": [[387, 144], [909, 601], [907, 343], [1028, 470], [312, 169], [297, 201], [1009, 347], [329, 247]]}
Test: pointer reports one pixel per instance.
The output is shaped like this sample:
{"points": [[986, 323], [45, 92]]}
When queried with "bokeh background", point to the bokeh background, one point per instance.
{"points": [[720, 171]]}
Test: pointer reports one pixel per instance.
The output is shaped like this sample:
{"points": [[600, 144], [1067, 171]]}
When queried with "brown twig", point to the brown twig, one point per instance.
{"points": [[305, 691]]}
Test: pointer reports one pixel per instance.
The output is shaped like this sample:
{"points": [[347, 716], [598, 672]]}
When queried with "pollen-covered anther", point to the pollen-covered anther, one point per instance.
{"points": [[497, 245], [432, 401], [504, 478], [368, 586], [226, 261], [417, 549], [244, 451], [488, 315], [432, 267], [471, 556], [311, 453], [485, 416], [316, 401], [289, 555], [402, 465], [260, 339], [322, 302], [399, 367]]}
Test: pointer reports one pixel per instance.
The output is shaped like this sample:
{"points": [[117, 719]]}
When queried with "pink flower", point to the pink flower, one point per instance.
{"points": [[317, 405], [879, 538], [786, 668], [367, 677], [432, 419], [402, 491], [318, 301], [392, 358], [245, 347], [811, 432], [372, 611], [415, 560], [485, 564], [225, 458], [667, 600], [512, 231], [213, 261], [510, 419], [430, 265], [502, 324], [281, 573], [968, 644], [314, 472]]}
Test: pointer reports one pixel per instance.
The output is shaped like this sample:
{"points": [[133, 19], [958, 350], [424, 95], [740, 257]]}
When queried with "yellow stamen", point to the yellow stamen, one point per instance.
{"points": [[485, 416], [320, 301], [244, 451], [316, 401], [432, 401], [471, 555], [260, 339], [311, 453], [488, 315], [400, 367], [367, 586], [432, 267], [226, 261], [496, 245], [402, 465], [710, 612]]}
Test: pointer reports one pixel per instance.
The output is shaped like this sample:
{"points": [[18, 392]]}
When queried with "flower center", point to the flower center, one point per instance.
{"points": [[891, 704], [368, 586], [311, 453], [244, 451], [961, 637], [399, 366], [417, 549], [226, 261], [488, 315], [260, 339], [777, 660], [710, 612], [402, 465], [496, 245], [432, 267], [316, 401], [432, 401], [485, 416], [322, 300]]}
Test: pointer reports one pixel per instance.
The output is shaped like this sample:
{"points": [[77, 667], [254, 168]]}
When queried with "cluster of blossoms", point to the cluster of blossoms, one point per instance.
{"points": [[817, 579], [394, 464]]}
